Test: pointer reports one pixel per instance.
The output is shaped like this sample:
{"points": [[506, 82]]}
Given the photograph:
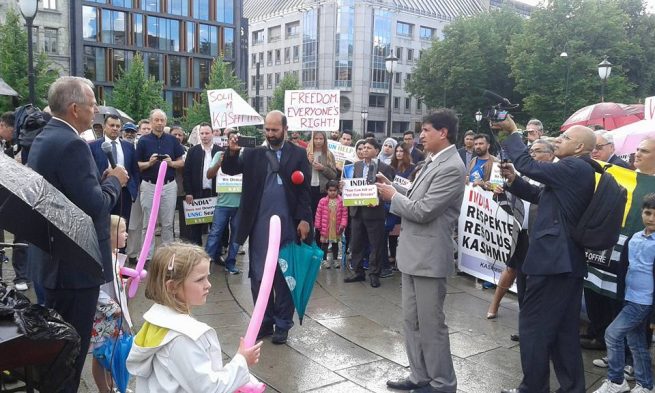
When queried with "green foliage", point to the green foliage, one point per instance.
{"points": [[135, 93], [472, 57], [14, 64], [289, 82], [221, 76]]}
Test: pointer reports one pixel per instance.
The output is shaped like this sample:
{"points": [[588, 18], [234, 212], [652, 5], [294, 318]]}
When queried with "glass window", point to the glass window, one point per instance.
{"points": [[253, 60], [310, 48], [410, 54], [376, 100], [98, 1], [398, 78], [113, 27], [274, 34], [376, 127], [50, 4], [178, 7], [426, 33], [201, 9], [225, 11], [261, 57], [404, 29], [177, 71], [90, 27], [228, 42], [278, 56], [191, 44], [258, 37], [120, 61], [269, 80], [151, 5], [269, 57], [94, 64], [51, 40], [408, 104], [123, 3], [287, 55], [344, 44], [292, 29], [201, 68], [381, 48], [399, 54], [178, 103], [137, 29], [208, 40], [277, 78], [296, 53], [163, 33], [252, 82], [396, 103], [154, 65]]}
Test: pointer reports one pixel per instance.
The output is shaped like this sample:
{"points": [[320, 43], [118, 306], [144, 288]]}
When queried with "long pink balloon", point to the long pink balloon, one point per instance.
{"points": [[262, 299], [139, 273]]}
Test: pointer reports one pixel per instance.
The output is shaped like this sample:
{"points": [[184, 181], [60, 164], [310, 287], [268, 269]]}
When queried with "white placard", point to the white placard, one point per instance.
{"points": [[312, 110], [200, 211], [357, 192], [226, 184], [342, 153], [402, 182], [228, 109]]}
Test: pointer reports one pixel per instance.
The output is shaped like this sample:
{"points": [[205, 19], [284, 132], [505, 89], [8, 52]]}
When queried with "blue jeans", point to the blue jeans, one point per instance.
{"points": [[221, 217], [630, 325]]}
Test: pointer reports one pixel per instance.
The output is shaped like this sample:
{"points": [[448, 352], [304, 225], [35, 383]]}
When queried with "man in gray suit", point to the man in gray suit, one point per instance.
{"points": [[425, 254]]}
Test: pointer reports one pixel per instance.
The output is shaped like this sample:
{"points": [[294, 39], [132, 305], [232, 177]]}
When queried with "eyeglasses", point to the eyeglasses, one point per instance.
{"points": [[600, 146]]}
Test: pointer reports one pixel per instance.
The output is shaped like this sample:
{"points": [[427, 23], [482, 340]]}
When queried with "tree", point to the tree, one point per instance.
{"points": [[14, 64], [289, 82], [221, 76], [471, 58], [135, 93]]}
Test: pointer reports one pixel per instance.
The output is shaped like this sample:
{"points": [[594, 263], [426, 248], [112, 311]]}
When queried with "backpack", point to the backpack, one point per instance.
{"points": [[29, 122], [600, 225]]}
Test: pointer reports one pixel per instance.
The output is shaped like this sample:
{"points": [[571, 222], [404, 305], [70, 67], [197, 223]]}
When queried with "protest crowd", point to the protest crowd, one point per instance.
{"points": [[422, 206]]}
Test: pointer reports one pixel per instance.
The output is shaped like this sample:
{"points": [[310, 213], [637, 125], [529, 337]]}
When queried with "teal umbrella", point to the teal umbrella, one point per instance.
{"points": [[300, 264]]}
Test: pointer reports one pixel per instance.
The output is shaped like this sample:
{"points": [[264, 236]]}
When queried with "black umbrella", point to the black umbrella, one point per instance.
{"points": [[6, 90], [103, 111], [34, 210]]}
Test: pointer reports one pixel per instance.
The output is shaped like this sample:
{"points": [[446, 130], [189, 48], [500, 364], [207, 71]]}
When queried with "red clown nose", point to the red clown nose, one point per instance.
{"points": [[297, 177]]}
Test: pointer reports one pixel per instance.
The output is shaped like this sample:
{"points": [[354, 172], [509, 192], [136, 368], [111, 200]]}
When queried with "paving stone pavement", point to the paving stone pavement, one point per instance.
{"points": [[351, 337]]}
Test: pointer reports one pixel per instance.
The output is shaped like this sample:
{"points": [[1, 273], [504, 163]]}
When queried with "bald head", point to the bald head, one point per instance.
{"points": [[576, 141]]}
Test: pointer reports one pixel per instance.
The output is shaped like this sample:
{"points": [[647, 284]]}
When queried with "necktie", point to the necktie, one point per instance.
{"points": [[114, 151]]}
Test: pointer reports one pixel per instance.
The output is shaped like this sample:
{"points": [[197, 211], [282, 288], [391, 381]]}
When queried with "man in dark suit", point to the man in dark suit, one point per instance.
{"points": [[267, 174], [417, 155], [604, 150], [125, 156], [196, 183], [467, 152], [367, 222], [64, 159], [550, 313]]}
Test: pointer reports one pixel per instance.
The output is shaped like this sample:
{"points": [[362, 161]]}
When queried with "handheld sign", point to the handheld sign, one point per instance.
{"points": [[228, 109], [341, 153], [358, 192], [403, 182], [200, 211], [226, 184], [312, 110]]}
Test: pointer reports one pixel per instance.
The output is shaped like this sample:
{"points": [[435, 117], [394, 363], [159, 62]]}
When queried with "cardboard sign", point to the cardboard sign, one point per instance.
{"points": [[402, 182], [357, 192], [201, 211], [228, 109], [220, 141], [226, 184], [342, 153], [496, 179], [312, 110]]}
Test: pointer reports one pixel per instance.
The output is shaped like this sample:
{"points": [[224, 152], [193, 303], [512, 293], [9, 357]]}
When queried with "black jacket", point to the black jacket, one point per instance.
{"points": [[193, 167]]}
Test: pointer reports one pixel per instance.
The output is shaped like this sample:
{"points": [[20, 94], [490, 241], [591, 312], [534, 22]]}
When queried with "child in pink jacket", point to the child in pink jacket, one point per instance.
{"points": [[331, 220]]}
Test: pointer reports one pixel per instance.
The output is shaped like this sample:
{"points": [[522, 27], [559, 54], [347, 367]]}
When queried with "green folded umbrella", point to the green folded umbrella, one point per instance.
{"points": [[300, 264]]}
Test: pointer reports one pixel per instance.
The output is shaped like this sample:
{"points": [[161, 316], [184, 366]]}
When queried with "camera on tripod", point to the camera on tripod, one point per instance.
{"points": [[499, 111]]}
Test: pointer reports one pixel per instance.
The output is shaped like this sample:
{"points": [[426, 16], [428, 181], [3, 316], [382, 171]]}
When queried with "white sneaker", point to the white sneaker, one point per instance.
{"points": [[629, 373], [21, 286], [640, 389], [336, 263], [602, 362], [326, 264], [610, 387]]}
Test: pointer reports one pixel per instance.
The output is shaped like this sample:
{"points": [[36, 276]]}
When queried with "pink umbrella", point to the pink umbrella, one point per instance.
{"points": [[627, 138], [608, 115]]}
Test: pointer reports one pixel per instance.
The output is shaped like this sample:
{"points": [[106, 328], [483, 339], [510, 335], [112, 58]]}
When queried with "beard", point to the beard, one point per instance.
{"points": [[274, 142]]}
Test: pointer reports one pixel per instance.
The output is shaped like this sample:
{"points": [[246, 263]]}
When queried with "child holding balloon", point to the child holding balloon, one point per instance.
{"points": [[173, 351]]}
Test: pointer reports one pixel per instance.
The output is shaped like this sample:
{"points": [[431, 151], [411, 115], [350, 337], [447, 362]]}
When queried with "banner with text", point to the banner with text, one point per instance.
{"points": [[226, 184], [200, 211], [228, 109], [357, 192], [312, 110], [342, 153], [486, 235]]}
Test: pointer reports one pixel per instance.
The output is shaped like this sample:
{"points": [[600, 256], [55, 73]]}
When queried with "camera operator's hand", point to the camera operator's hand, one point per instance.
{"points": [[506, 126], [507, 171], [233, 143]]}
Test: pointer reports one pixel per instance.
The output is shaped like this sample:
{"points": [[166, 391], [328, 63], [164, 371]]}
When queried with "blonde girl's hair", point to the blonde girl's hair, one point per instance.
{"points": [[324, 150], [174, 262], [115, 223]]}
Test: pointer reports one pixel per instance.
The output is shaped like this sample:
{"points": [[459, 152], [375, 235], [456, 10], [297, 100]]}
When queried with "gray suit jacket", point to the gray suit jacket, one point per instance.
{"points": [[429, 213]]}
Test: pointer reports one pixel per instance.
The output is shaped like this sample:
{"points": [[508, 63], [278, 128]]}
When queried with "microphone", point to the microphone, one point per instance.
{"points": [[495, 97], [106, 147]]}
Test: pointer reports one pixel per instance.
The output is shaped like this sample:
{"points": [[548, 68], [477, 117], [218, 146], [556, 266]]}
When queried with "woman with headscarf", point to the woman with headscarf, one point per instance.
{"points": [[387, 151]]}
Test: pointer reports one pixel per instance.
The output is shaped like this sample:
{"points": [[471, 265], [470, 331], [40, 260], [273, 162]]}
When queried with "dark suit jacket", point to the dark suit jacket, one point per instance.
{"points": [[193, 166], [376, 212], [561, 204], [253, 163], [65, 160], [618, 161], [462, 155], [417, 156], [131, 165]]}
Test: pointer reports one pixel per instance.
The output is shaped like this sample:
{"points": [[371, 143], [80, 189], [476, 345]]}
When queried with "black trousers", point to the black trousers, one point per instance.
{"points": [[279, 309], [548, 324], [368, 232], [194, 232], [601, 311], [77, 307]]}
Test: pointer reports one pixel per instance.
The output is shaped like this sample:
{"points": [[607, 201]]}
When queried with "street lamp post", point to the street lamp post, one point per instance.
{"points": [[364, 117], [257, 87], [29, 8], [604, 70], [478, 119], [390, 62], [565, 56]]}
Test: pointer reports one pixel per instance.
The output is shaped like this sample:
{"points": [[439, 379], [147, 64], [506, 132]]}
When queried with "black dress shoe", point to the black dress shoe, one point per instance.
{"points": [[375, 280], [592, 344], [355, 278], [514, 390], [514, 337], [264, 331], [404, 384], [280, 337]]}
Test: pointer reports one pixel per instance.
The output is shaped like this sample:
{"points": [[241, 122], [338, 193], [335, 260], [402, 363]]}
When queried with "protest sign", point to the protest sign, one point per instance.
{"points": [[312, 110], [357, 192], [402, 182], [495, 178], [228, 109], [200, 211], [226, 184], [342, 153], [486, 236]]}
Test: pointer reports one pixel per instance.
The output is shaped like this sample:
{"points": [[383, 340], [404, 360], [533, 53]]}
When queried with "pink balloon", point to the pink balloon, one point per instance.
{"points": [[139, 273], [262, 298]]}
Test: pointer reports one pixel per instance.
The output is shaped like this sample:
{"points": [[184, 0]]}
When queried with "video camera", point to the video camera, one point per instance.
{"points": [[499, 111]]}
